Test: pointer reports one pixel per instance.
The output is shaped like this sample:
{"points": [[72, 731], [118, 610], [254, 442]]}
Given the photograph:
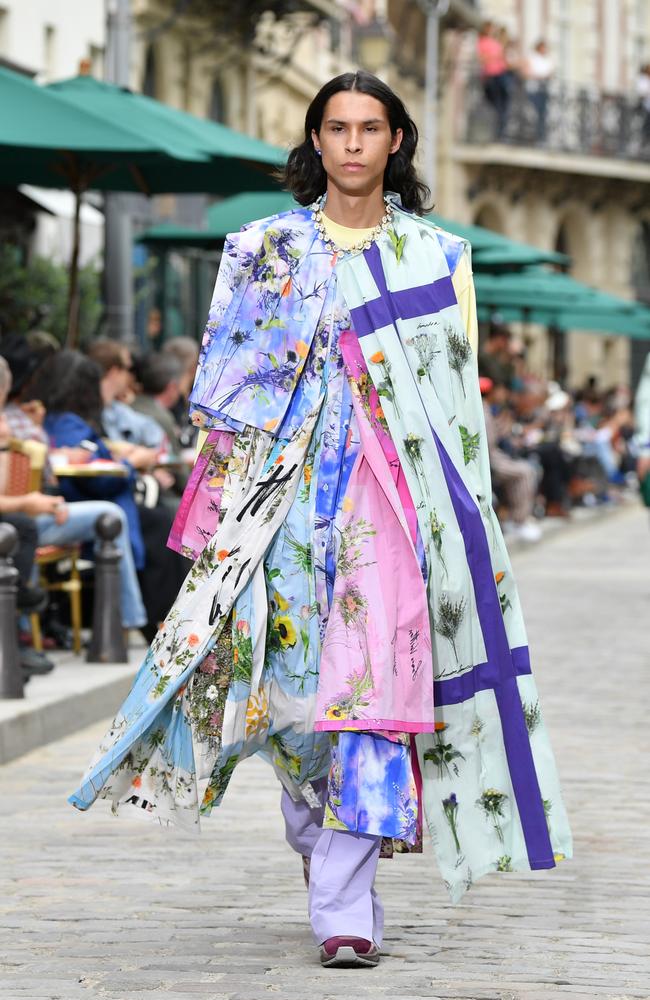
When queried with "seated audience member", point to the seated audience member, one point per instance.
{"points": [[19, 512], [120, 421], [160, 377], [56, 522], [515, 477], [549, 438], [70, 392], [597, 428], [25, 419], [642, 431], [185, 350], [132, 435], [495, 358]]}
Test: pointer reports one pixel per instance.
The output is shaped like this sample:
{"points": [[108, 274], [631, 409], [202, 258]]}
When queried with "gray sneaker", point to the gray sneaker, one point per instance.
{"points": [[348, 952]]}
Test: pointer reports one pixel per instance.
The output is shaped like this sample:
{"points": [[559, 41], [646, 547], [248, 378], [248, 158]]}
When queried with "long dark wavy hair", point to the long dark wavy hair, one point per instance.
{"points": [[69, 382], [304, 175]]}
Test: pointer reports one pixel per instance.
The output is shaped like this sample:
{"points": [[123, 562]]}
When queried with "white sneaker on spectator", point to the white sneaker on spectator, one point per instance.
{"points": [[528, 531]]}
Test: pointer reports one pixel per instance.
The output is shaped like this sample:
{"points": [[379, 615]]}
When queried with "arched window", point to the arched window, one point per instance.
{"points": [[641, 263], [562, 240], [149, 76], [489, 217], [217, 109], [557, 337]]}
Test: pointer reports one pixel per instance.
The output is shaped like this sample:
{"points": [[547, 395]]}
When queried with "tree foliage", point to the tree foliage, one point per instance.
{"points": [[35, 296]]}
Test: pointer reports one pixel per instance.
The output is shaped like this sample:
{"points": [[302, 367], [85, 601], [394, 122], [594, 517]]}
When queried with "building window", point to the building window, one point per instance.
{"points": [[640, 42], [49, 52], [490, 218], [217, 109], [564, 42], [641, 263], [149, 76], [96, 59]]}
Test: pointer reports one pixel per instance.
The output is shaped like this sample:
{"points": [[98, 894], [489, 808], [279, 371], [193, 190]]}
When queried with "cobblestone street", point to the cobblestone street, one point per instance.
{"points": [[98, 907]]}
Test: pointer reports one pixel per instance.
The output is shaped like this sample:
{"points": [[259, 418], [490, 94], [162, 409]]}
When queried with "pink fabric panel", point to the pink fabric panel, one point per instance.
{"points": [[386, 652], [197, 517], [356, 366]]}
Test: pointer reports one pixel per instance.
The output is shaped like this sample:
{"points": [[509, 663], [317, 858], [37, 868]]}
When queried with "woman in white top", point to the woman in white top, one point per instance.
{"points": [[539, 69]]}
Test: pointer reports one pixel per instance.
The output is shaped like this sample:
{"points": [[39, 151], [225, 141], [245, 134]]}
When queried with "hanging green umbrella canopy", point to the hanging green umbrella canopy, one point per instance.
{"points": [[85, 134], [226, 160], [227, 216], [538, 295], [514, 257], [492, 250], [46, 141]]}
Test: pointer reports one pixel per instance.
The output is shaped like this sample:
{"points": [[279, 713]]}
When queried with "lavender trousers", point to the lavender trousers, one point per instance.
{"points": [[342, 900]]}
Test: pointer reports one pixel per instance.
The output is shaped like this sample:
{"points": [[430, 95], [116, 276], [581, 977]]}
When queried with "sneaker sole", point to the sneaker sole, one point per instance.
{"points": [[348, 958]]}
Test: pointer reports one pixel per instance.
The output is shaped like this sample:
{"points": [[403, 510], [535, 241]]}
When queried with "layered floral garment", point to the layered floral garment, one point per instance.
{"points": [[351, 610]]}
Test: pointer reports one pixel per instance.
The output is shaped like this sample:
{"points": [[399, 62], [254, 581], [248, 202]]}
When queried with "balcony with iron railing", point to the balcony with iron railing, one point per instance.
{"points": [[569, 120]]}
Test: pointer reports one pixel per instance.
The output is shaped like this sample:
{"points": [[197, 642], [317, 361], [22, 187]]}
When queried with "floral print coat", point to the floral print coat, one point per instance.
{"points": [[351, 610]]}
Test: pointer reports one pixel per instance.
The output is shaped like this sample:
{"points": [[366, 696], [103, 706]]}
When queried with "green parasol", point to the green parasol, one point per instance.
{"points": [[83, 134]]}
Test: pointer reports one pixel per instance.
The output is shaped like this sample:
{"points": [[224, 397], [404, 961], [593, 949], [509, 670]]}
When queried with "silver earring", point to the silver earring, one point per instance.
{"points": [[319, 152]]}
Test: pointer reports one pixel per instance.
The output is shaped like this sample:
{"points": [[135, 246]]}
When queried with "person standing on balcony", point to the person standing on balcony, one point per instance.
{"points": [[643, 97], [513, 61], [494, 74], [539, 70], [354, 559]]}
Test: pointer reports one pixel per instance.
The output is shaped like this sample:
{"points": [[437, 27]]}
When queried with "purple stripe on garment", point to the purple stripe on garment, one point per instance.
{"points": [[500, 669], [455, 690], [406, 303]]}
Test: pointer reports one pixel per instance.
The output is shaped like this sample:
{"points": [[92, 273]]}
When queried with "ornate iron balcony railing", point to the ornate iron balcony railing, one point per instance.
{"points": [[573, 121]]}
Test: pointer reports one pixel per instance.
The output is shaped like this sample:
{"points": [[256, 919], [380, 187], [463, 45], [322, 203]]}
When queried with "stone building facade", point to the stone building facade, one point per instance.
{"points": [[585, 190]]}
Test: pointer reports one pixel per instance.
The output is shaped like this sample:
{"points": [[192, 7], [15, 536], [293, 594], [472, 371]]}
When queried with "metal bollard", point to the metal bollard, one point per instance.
{"points": [[107, 643], [11, 676]]}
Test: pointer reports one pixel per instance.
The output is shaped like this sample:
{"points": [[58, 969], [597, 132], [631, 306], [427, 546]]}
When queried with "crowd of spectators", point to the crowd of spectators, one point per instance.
{"points": [[125, 414], [550, 450]]}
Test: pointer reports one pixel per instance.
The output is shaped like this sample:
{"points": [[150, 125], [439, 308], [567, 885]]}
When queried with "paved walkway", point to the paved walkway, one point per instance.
{"points": [[98, 907]]}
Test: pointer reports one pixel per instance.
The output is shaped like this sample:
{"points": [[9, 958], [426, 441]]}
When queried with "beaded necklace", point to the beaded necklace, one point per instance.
{"points": [[364, 244]]}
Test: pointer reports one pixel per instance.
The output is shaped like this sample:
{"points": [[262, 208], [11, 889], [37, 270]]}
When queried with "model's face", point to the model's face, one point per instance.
{"points": [[355, 141]]}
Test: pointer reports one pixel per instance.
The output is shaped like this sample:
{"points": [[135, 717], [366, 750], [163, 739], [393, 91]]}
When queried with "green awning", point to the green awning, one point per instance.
{"points": [[229, 160], [84, 134], [492, 250], [538, 295], [509, 258], [169, 235], [227, 216], [40, 133]]}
